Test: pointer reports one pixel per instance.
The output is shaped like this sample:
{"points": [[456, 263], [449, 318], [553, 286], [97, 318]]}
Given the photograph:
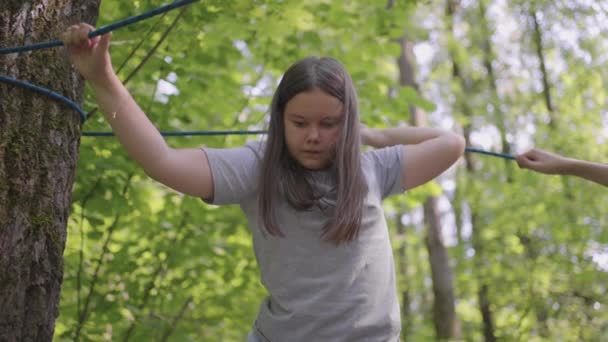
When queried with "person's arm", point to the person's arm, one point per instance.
{"points": [[427, 152], [553, 164], [185, 170]]}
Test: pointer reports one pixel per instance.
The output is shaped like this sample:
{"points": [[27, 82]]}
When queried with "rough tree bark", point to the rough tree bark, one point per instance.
{"points": [[39, 139]]}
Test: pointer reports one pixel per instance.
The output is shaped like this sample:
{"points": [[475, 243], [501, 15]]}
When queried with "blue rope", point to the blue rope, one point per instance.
{"points": [[48, 92], [180, 134], [208, 133], [101, 30], [83, 116], [495, 154]]}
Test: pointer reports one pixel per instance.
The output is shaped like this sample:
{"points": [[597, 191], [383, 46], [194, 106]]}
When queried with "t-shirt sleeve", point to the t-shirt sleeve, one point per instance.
{"points": [[234, 172], [387, 165]]}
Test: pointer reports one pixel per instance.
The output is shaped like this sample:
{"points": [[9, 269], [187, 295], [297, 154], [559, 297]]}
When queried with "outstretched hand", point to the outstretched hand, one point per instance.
{"points": [[89, 56], [542, 161]]}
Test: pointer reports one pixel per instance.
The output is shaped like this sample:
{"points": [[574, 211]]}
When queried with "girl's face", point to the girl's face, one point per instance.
{"points": [[313, 122]]}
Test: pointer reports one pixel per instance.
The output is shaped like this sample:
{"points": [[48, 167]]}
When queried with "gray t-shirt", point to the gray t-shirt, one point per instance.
{"points": [[318, 291]]}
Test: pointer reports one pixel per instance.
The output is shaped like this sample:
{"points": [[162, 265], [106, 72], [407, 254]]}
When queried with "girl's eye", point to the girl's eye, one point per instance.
{"points": [[328, 124], [298, 124]]}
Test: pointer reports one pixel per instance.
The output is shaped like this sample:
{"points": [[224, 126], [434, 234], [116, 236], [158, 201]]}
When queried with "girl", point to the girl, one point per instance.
{"points": [[312, 199]]}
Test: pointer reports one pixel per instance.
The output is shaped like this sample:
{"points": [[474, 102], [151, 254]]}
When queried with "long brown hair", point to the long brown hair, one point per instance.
{"points": [[282, 175]]}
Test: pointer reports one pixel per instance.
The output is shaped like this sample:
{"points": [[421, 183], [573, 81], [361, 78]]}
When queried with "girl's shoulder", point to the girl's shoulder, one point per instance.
{"points": [[258, 147]]}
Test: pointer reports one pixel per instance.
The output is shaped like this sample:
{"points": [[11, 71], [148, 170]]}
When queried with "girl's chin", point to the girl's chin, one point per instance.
{"points": [[315, 165]]}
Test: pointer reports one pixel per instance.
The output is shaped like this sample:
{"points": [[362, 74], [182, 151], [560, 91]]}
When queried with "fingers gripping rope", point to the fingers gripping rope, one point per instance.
{"points": [[98, 32]]}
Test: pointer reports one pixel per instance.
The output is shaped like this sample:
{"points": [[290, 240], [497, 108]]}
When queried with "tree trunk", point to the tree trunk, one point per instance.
{"points": [[444, 312], [402, 265], [482, 292], [488, 57], [540, 306], [538, 41], [39, 140]]}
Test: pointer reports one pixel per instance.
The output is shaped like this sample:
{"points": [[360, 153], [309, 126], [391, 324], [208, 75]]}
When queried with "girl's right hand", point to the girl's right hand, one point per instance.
{"points": [[89, 56]]}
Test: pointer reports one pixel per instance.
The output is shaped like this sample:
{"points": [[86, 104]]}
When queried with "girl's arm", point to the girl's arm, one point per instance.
{"points": [[553, 164], [185, 170], [427, 152]]}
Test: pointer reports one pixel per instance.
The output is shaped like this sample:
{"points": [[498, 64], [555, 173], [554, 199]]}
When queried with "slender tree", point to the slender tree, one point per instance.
{"points": [[486, 312], [444, 312]]}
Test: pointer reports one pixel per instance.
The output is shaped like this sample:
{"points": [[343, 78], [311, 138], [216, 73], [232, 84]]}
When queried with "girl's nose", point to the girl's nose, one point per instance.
{"points": [[313, 134]]}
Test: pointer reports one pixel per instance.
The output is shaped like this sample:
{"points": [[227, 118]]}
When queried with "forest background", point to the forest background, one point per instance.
{"points": [[485, 252]]}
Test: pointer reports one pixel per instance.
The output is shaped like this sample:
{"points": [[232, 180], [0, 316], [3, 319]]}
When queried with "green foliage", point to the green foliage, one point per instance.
{"points": [[165, 266], [147, 263]]}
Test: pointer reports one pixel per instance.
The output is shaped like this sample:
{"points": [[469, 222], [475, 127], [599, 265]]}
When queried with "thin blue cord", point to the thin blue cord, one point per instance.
{"points": [[101, 30], [208, 133], [181, 133], [83, 116], [48, 92], [495, 154]]}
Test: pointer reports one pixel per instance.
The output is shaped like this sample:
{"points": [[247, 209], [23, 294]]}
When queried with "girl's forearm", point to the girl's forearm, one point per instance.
{"points": [[379, 138], [134, 130]]}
